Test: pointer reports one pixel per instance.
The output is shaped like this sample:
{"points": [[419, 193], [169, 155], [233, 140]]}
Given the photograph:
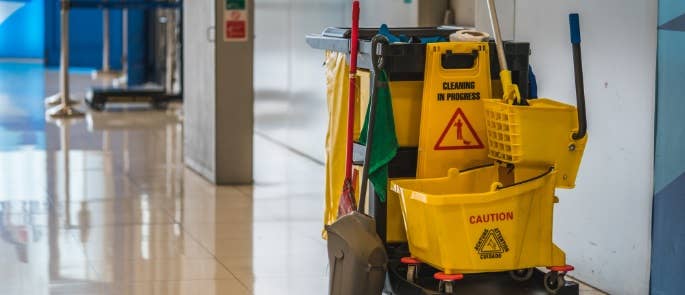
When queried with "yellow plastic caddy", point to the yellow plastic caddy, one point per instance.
{"points": [[468, 222]]}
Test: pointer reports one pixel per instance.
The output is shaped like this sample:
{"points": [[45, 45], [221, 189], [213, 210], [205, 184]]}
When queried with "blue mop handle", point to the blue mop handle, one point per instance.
{"points": [[574, 22]]}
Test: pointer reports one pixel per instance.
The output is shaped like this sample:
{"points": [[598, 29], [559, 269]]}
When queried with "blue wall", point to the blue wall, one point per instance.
{"points": [[22, 33], [668, 227], [137, 44], [85, 39]]}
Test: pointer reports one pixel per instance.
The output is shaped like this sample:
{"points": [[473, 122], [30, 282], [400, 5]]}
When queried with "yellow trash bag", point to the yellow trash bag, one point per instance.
{"points": [[337, 84]]}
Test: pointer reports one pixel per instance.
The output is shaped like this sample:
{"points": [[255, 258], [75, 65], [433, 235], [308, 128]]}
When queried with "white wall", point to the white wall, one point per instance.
{"points": [[464, 12], [289, 81], [505, 13], [199, 87], [395, 13], [604, 225]]}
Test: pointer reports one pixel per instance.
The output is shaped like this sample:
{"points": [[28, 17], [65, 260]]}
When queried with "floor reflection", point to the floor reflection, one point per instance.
{"points": [[105, 205]]}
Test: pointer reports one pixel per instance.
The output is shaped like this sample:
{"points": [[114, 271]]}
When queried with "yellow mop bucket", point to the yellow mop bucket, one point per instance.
{"points": [[468, 222], [539, 134]]}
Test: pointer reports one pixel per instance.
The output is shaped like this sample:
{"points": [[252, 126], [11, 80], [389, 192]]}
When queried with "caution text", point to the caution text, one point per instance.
{"points": [[492, 217]]}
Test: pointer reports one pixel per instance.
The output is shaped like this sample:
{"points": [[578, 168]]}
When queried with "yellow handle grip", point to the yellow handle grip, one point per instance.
{"points": [[511, 90]]}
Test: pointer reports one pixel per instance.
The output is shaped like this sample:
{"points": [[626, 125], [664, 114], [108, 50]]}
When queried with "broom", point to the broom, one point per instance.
{"points": [[347, 202]]}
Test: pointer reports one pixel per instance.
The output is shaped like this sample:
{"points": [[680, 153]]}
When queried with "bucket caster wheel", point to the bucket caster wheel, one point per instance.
{"points": [[521, 275], [554, 282], [413, 266], [554, 279], [447, 281]]}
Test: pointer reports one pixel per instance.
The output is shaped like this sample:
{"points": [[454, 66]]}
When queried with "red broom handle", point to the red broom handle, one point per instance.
{"points": [[354, 45], [354, 49]]}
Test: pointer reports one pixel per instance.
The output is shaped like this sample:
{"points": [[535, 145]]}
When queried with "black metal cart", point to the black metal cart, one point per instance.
{"points": [[156, 96]]}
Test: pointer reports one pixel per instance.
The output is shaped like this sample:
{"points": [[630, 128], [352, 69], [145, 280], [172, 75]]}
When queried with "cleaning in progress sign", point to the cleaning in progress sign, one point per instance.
{"points": [[452, 125], [235, 21]]}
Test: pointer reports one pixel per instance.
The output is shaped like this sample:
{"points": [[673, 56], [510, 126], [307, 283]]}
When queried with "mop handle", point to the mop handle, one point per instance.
{"points": [[510, 90], [369, 145], [377, 43], [494, 21]]}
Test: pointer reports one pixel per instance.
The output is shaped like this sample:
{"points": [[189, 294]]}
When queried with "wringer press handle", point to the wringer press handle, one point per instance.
{"points": [[574, 22]]}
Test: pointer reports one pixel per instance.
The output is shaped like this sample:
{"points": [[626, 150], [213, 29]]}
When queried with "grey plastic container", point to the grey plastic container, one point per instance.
{"points": [[357, 256]]}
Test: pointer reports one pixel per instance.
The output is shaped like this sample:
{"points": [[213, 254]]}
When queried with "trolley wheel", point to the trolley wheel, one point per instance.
{"points": [[447, 281], [412, 273], [160, 105], [97, 106], [554, 282], [413, 265], [447, 287], [521, 275]]}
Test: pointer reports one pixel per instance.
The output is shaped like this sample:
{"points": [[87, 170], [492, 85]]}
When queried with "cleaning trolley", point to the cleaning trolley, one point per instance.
{"points": [[469, 200]]}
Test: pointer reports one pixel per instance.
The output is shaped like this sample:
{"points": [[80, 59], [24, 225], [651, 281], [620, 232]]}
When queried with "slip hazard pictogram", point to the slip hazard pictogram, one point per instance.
{"points": [[491, 244], [458, 134]]}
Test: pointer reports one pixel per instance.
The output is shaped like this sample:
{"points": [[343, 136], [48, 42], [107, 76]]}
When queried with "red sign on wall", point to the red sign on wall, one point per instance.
{"points": [[236, 29], [236, 19]]}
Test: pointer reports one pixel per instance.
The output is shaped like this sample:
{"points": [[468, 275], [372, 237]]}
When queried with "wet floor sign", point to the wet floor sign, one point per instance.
{"points": [[457, 79], [458, 134]]}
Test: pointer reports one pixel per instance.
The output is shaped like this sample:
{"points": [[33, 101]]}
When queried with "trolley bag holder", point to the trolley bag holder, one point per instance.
{"points": [[357, 255]]}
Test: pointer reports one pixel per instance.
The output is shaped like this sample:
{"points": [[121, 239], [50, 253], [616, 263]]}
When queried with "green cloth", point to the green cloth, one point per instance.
{"points": [[384, 143]]}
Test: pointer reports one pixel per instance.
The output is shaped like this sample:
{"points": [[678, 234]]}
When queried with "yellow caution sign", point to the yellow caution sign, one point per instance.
{"points": [[452, 132]]}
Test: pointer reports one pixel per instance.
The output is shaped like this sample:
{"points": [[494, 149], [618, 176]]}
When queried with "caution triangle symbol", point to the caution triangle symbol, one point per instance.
{"points": [[458, 134], [491, 245]]}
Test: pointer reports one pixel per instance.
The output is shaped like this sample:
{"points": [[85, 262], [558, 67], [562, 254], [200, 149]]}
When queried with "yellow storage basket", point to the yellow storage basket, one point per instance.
{"points": [[539, 134], [468, 223]]}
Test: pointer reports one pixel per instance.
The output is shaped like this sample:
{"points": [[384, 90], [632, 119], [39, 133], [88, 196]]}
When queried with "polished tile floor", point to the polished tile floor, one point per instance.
{"points": [[105, 205]]}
